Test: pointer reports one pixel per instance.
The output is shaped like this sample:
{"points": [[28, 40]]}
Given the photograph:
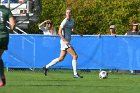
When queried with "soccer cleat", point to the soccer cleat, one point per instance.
{"points": [[3, 81], [1, 84], [77, 76], [45, 71]]}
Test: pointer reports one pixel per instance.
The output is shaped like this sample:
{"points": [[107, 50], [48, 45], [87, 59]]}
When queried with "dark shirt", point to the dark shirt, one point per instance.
{"points": [[5, 14], [133, 33]]}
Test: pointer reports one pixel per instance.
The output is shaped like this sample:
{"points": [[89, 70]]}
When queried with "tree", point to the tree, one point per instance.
{"points": [[93, 16]]}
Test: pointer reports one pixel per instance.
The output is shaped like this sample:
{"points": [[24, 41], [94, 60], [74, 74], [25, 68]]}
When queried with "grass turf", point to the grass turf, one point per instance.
{"points": [[63, 82]]}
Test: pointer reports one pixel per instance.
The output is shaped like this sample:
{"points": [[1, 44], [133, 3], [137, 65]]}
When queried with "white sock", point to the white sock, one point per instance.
{"points": [[74, 67], [53, 62]]}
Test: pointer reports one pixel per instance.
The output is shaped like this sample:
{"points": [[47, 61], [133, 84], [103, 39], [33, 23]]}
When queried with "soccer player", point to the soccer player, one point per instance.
{"points": [[5, 15], [65, 34]]}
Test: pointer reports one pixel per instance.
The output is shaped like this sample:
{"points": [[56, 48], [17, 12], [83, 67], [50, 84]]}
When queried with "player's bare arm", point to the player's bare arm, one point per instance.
{"points": [[12, 22], [41, 24], [75, 31]]}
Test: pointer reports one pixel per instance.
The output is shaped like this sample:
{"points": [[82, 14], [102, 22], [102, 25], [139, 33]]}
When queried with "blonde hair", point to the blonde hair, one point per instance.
{"points": [[68, 8]]}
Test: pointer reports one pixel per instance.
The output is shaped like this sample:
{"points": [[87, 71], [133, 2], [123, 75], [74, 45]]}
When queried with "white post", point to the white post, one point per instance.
{"points": [[28, 6], [9, 4]]}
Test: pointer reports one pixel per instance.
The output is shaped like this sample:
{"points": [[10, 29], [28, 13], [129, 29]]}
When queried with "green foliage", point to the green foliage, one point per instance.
{"points": [[93, 16]]}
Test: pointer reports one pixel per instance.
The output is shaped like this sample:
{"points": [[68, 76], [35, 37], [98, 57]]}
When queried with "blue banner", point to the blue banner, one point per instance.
{"points": [[105, 52]]}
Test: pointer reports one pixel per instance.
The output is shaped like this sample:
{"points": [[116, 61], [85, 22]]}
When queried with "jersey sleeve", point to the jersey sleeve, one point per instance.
{"points": [[63, 23], [10, 14]]}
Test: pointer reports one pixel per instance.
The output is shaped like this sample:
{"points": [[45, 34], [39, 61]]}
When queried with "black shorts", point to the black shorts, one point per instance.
{"points": [[4, 39]]}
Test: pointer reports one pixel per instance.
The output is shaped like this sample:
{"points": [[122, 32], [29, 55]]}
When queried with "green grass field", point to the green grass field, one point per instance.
{"points": [[63, 82]]}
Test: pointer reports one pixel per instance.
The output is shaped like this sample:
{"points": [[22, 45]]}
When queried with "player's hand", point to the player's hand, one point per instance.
{"points": [[11, 31], [67, 43]]}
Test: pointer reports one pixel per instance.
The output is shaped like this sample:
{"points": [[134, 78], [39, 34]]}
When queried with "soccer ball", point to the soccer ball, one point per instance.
{"points": [[103, 75]]}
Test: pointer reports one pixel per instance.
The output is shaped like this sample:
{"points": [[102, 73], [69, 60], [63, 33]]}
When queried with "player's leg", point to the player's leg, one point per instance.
{"points": [[2, 76], [3, 46], [61, 57], [72, 52], [55, 61]]}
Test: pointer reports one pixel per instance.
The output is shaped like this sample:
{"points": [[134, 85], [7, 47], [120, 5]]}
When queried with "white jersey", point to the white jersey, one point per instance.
{"points": [[67, 26], [46, 31]]}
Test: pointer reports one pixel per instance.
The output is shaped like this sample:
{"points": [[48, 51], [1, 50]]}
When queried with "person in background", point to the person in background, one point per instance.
{"points": [[112, 30], [47, 27], [134, 30], [65, 30], [5, 15]]}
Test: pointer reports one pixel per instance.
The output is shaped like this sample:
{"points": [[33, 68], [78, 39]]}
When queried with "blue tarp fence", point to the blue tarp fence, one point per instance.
{"points": [[105, 52]]}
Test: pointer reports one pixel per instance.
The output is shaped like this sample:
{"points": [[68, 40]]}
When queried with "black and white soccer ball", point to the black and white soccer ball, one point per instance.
{"points": [[103, 75]]}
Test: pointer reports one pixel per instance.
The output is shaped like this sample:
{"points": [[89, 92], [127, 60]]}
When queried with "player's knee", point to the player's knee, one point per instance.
{"points": [[75, 57]]}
